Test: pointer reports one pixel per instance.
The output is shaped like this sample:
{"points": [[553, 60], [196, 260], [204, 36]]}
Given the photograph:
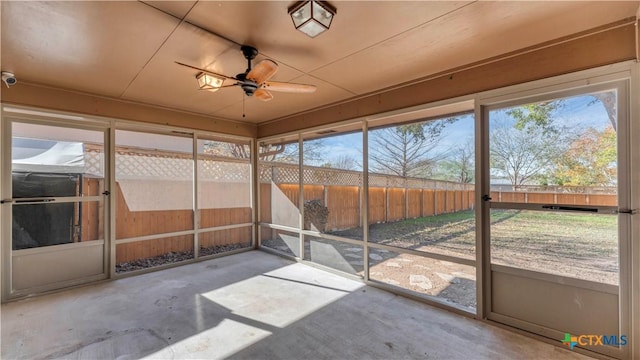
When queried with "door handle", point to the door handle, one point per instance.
{"points": [[569, 208], [19, 201], [33, 200], [627, 211]]}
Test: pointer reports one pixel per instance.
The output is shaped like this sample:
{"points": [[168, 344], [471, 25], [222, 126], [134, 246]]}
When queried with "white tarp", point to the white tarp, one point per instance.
{"points": [[45, 156]]}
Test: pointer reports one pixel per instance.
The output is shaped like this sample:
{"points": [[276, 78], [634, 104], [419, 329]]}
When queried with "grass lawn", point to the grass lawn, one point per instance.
{"points": [[570, 244]]}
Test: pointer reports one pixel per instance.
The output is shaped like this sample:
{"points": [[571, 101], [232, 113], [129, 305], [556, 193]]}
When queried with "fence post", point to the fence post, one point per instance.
{"points": [[435, 198], [406, 199], [422, 201], [386, 199], [325, 195], [446, 198]]}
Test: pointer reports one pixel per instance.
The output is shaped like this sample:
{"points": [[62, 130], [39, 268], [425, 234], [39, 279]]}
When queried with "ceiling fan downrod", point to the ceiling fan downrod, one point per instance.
{"points": [[249, 86]]}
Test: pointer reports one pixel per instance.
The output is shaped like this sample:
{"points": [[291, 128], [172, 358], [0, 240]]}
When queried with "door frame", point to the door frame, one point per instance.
{"points": [[16, 114], [625, 78]]}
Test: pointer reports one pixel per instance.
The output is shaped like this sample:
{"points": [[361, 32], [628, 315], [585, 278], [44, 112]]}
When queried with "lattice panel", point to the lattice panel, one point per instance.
{"points": [[377, 181], [314, 175], [94, 163], [145, 166], [395, 181], [224, 171], [139, 165], [265, 173], [440, 185], [340, 177], [285, 175], [416, 183]]}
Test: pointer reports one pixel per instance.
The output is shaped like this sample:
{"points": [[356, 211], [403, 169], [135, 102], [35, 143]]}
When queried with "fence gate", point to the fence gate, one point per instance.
{"points": [[53, 205]]}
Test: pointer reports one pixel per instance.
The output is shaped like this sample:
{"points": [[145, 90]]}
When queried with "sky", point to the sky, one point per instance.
{"points": [[575, 111]]}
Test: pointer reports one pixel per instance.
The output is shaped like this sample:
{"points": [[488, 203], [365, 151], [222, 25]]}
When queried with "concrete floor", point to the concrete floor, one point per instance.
{"points": [[249, 306]]}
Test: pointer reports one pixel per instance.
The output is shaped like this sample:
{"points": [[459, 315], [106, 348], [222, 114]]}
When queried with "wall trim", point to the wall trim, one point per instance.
{"points": [[51, 98]]}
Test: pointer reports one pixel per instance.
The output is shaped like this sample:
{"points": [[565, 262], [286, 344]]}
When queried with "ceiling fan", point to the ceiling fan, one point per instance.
{"points": [[255, 81]]}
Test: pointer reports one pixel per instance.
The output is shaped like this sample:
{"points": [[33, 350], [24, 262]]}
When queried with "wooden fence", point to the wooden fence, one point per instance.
{"points": [[130, 224], [555, 198], [386, 204], [402, 200]]}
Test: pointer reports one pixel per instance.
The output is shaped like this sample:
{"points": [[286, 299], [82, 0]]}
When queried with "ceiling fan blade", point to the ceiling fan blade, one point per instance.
{"points": [[205, 71], [263, 94], [263, 71], [288, 87]]}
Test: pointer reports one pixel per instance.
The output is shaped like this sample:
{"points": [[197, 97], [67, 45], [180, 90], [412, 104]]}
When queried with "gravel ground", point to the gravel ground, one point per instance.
{"points": [[174, 257]]}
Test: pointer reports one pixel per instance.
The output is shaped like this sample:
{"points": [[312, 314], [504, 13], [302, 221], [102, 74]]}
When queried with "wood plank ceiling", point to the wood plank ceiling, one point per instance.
{"points": [[126, 50]]}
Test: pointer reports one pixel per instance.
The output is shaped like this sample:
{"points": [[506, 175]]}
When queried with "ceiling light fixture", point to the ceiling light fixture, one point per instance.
{"points": [[312, 17], [209, 82]]}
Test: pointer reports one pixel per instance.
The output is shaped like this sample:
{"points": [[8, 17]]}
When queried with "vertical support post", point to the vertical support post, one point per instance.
{"points": [[301, 194], [365, 198], [634, 203], [110, 159], [194, 202], [5, 209], [360, 202], [483, 212], [255, 195]]}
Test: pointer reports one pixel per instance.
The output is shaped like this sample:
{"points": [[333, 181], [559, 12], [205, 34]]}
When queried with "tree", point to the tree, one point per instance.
{"points": [[344, 162], [290, 152], [526, 151], [460, 167], [227, 149], [283, 152], [407, 150], [589, 161], [608, 99], [535, 118]]}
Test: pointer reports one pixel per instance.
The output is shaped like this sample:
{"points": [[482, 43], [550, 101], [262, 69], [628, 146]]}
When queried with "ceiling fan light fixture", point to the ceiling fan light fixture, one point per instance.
{"points": [[209, 82], [312, 17]]}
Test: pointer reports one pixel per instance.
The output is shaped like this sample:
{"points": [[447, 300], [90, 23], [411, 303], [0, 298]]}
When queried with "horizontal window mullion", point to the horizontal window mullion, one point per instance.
{"points": [[224, 227], [453, 259], [155, 236]]}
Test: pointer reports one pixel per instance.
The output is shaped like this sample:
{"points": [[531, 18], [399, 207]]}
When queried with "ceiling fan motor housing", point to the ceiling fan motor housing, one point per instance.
{"points": [[249, 86]]}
